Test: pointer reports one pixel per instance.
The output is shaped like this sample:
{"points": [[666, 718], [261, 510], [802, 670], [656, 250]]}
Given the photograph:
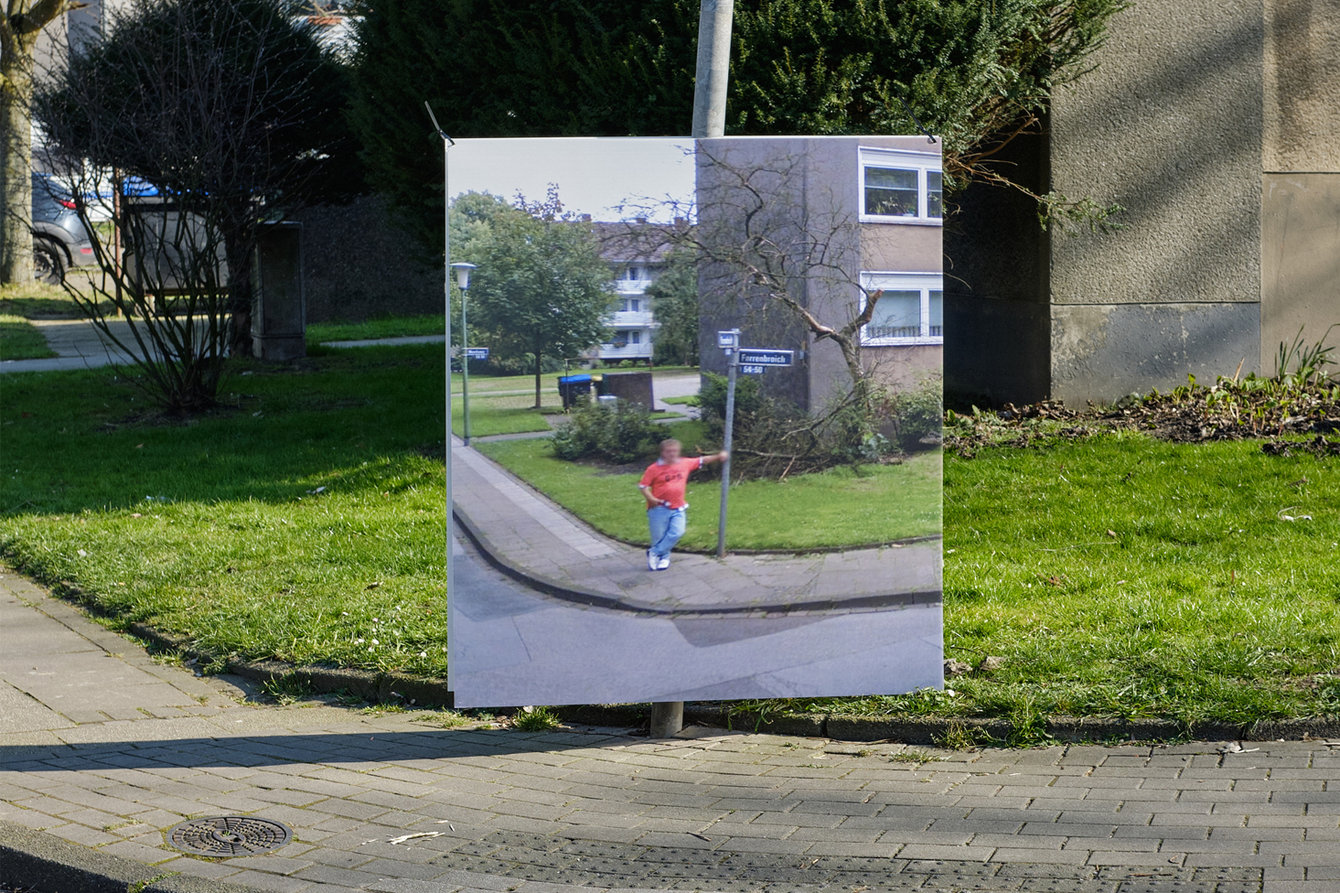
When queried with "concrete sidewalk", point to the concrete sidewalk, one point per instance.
{"points": [[105, 749], [527, 535], [77, 344]]}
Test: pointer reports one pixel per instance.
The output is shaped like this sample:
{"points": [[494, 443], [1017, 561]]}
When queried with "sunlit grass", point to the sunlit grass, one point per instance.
{"points": [[21, 340], [1117, 576]]}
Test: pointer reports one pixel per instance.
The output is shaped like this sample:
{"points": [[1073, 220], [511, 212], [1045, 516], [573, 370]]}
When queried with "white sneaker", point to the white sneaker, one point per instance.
{"points": [[663, 564], [653, 563]]}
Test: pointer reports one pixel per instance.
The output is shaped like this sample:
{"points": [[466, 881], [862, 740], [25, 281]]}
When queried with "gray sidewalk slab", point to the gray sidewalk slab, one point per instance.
{"points": [[592, 809], [78, 344], [523, 530]]}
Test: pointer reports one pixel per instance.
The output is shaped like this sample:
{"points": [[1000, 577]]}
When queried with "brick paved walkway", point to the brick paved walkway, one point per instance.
{"points": [[111, 766], [523, 530]]}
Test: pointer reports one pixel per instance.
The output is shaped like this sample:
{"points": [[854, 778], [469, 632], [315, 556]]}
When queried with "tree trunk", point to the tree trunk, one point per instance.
{"points": [[239, 253], [539, 366], [16, 157]]}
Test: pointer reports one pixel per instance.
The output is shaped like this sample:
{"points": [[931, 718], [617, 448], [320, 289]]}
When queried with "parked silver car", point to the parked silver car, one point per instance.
{"points": [[60, 239]]}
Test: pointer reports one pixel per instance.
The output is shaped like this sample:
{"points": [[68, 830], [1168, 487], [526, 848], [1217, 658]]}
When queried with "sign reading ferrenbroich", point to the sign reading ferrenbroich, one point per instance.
{"points": [[762, 356]]}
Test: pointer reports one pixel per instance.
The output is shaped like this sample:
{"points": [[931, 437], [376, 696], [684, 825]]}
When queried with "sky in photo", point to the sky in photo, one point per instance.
{"points": [[610, 178]]}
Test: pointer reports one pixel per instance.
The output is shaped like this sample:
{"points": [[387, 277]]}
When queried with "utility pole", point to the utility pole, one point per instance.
{"points": [[709, 120], [713, 72]]}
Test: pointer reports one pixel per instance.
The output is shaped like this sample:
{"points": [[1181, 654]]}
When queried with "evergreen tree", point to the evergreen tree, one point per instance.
{"points": [[977, 73]]}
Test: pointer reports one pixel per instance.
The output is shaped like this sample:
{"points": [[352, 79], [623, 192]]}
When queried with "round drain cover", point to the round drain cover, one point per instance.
{"points": [[229, 835]]}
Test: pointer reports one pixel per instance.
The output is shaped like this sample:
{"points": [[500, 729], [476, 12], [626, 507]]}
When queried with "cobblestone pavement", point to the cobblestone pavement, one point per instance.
{"points": [[527, 532], [395, 802]]}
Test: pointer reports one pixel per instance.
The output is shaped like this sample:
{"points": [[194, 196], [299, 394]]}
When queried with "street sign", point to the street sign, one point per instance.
{"points": [[477, 353], [728, 339], [752, 369], [763, 356]]}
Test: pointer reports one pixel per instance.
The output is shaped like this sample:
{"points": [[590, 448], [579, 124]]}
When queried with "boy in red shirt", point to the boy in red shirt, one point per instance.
{"points": [[663, 485]]}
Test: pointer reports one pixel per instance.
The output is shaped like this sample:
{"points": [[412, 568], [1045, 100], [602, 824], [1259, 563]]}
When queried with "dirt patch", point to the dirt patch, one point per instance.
{"points": [[1229, 410]]}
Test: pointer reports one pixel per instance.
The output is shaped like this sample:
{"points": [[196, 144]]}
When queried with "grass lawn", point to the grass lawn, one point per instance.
{"points": [[835, 508], [37, 301], [21, 340], [214, 528], [506, 414], [1203, 600], [386, 327]]}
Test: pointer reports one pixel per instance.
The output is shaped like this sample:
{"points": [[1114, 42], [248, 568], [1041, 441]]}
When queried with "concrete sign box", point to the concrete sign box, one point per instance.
{"points": [[632, 387], [279, 323]]}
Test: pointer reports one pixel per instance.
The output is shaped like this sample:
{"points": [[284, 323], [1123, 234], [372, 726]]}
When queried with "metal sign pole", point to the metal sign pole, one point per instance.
{"points": [[732, 367]]}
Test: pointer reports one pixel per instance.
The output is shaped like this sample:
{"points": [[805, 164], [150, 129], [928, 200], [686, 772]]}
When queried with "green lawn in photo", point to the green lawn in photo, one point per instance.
{"points": [[1116, 576], [21, 340], [500, 414], [839, 507]]}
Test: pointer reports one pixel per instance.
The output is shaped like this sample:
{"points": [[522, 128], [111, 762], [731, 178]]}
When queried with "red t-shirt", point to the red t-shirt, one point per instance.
{"points": [[668, 480]]}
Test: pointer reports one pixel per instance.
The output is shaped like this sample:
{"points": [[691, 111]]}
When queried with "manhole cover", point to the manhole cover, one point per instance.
{"points": [[229, 835]]}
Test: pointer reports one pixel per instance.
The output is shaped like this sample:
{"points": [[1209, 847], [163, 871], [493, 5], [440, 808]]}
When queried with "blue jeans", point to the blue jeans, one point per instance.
{"points": [[667, 526]]}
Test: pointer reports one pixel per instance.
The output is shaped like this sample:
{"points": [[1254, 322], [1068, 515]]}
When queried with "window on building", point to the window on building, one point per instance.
{"points": [[899, 186], [632, 273], [634, 337], [909, 310], [630, 305]]}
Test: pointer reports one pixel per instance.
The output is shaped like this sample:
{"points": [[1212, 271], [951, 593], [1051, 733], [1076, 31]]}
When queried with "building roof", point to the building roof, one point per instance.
{"points": [[637, 240]]}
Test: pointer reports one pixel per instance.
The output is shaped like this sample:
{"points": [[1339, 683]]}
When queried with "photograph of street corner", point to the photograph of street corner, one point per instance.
{"points": [[1034, 423], [783, 246]]}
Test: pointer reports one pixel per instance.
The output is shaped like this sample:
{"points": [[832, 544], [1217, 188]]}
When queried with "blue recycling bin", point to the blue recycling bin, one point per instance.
{"points": [[570, 387]]}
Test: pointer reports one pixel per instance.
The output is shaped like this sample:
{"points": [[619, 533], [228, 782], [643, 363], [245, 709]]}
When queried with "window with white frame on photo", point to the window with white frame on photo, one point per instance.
{"points": [[899, 186], [909, 309]]}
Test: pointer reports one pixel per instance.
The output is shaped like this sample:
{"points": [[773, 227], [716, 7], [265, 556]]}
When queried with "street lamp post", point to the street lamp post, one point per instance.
{"points": [[463, 283]]}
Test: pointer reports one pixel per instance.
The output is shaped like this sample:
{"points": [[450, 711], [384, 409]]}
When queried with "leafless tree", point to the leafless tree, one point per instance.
{"points": [[21, 24], [228, 114], [779, 249]]}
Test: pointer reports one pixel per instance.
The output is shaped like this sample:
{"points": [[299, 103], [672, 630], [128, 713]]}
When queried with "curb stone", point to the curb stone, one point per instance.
{"points": [[493, 556], [30, 857], [426, 693]]}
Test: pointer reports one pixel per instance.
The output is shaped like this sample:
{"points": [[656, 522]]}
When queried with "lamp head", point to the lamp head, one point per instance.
{"points": [[463, 274]]}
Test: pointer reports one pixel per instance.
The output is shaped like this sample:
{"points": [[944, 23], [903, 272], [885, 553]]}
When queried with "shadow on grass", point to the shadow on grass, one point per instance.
{"points": [[77, 441]]}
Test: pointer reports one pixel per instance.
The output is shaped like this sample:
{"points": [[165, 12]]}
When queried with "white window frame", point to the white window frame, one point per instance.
{"points": [[904, 160], [925, 283]]}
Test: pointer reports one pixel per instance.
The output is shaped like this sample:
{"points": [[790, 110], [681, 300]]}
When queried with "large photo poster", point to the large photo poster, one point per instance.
{"points": [[767, 308]]}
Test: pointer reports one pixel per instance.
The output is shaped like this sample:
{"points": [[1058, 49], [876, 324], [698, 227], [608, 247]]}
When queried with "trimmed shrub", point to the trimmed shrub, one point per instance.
{"points": [[916, 417], [618, 433]]}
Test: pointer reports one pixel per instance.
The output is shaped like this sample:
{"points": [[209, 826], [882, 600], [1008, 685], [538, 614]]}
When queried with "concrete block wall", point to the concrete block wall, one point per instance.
{"points": [[1217, 126], [1169, 125]]}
